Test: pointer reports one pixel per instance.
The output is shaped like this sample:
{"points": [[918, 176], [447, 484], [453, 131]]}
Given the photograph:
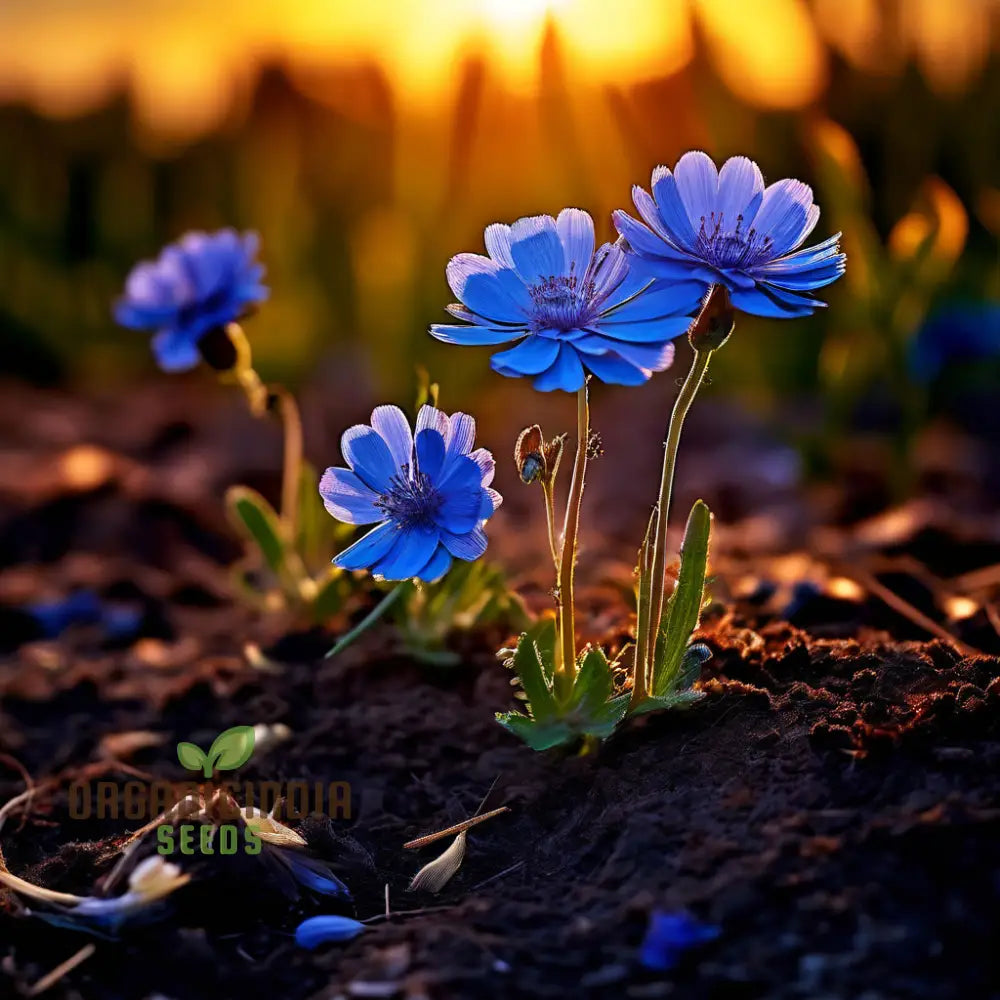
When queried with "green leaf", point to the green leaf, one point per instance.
{"points": [[538, 735], [533, 665], [232, 749], [594, 682], [257, 521], [678, 700], [684, 608], [604, 721], [191, 756]]}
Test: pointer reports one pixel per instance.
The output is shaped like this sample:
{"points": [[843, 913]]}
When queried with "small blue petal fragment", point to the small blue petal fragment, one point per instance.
{"points": [[669, 936], [311, 933]]}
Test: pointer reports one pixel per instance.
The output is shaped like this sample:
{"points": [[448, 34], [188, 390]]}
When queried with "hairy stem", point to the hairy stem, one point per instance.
{"points": [[571, 527], [550, 519], [699, 365]]}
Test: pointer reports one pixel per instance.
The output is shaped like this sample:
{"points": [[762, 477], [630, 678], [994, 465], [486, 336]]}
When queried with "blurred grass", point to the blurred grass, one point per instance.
{"points": [[361, 196]]}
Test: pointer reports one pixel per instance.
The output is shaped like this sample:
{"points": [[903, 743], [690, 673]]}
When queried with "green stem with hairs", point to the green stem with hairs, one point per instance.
{"points": [[566, 668], [657, 589]]}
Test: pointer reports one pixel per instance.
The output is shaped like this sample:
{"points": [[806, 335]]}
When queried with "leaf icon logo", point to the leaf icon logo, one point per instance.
{"points": [[229, 750]]}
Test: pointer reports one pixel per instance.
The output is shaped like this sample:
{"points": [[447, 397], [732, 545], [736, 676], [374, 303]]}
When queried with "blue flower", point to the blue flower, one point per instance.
{"points": [[571, 309], [198, 284], [428, 494], [724, 227], [669, 936], [311, 933]]}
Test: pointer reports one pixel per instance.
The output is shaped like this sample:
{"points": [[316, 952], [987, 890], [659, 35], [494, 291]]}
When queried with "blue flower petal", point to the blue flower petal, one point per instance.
{"points": [[615, 370], [175, 351], [531, 356], [461, 436], [576, 232], [787, 214], [487, 464], [430, 452], [536, 249], [671, 934], [369, 456], [480, 283], [698, 183], [436, 566], [759, 303], [311, 933], [662, 298], [489, 501], [647, 331], [566, 373], [461, 492], [391, 424], [468, 545], [654, 357], [828, 250], [639, 237], [806, 279], [347, 498], [673, 212], [741, 190], [431, 418], [367, 551], [409, 554], [497, 240], [475, 336]]}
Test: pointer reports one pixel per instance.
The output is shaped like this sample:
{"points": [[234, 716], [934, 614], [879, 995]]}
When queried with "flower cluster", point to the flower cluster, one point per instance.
{"points": [[710, 243]]}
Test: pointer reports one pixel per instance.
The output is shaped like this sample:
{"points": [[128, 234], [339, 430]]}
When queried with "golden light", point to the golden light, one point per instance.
{"points": [[519, 12]]}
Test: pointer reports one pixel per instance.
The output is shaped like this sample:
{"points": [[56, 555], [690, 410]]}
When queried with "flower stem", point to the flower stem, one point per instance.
{"points": [[699, 365], [550, 519], [291, 472], [567, 561], [258, 397], [370, 619]]}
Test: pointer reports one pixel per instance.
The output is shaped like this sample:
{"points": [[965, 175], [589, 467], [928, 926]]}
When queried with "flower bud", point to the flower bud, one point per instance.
{"points": [[715, 322], [528, 456]]}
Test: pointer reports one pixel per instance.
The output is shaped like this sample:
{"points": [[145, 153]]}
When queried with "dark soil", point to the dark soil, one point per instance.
{"points": [[832, 805]]}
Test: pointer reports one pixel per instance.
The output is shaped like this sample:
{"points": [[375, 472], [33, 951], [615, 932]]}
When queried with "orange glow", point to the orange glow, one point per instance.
{"points": [[940, 217], [187, 63], [768, 51]]}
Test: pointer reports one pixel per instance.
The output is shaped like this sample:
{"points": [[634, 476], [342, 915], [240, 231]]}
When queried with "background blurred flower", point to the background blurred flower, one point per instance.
{"points": [[196, 285], [569, 308], [962, 333], [724, 227], [429, 493]]}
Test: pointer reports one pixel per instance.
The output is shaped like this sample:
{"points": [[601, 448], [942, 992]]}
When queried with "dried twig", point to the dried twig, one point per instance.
{"points": [[900, 605], [457, 828], [62, 969]]}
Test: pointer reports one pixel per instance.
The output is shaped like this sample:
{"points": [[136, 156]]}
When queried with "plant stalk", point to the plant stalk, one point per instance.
{"points": [[291, 472], [699, 365], [571, 527]]}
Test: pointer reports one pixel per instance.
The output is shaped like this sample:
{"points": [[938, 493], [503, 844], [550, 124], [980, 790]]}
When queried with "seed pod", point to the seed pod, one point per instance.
{"points": [[528, 455], [715, 322]]}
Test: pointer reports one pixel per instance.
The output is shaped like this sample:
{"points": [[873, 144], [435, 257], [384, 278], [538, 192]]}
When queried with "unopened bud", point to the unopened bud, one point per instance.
{"points": [[715, 322], [528, 455]]}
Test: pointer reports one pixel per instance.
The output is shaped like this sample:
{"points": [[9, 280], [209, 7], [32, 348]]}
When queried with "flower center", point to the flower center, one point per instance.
{"points": [[561, 303], [731, 248], [412, 500]]}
